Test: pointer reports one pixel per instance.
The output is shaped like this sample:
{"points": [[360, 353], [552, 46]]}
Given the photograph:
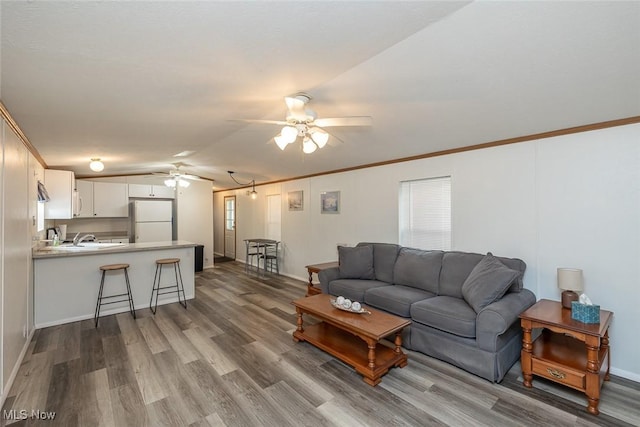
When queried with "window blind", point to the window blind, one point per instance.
{"points": [[425, 213]]}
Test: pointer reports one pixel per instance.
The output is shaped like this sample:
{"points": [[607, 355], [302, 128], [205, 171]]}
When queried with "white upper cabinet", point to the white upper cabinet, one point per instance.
{"points": [[110, 199], [85, 199], [101, 199], [60, 187], [151, 191]]}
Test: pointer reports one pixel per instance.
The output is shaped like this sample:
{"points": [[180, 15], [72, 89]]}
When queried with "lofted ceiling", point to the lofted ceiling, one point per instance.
{"points": [[135, 83]]}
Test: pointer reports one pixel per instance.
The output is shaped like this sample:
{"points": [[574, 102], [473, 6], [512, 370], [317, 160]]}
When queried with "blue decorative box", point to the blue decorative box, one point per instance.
{"points": [[585, 313]]}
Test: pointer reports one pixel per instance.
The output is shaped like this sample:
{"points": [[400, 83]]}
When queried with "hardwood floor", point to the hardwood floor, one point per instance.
{"points": [[229, 359]]}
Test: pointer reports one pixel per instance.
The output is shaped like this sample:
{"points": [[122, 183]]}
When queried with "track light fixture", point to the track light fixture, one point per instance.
{"points": [[253, 193]]}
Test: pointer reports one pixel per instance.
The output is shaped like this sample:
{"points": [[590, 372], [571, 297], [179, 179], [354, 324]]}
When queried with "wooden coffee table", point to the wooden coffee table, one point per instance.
{"points": [[353, 338]]}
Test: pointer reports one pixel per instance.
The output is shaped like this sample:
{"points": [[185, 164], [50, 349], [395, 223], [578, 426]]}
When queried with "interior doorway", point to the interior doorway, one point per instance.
{"points": [[230, 227]]}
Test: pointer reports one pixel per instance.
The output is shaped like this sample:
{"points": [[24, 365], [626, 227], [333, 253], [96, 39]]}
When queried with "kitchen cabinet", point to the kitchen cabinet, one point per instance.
{"points": [[110, 199], [60, 186], [151, 191], [102, 199], [85, 199]]}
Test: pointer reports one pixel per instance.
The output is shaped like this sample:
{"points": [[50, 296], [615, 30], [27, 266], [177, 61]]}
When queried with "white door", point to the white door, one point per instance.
{"points": [[230, 227]]}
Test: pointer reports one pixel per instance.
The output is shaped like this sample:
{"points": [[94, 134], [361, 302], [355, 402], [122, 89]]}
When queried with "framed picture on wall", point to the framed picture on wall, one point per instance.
{"points": [[295, 200], [330, 202]]}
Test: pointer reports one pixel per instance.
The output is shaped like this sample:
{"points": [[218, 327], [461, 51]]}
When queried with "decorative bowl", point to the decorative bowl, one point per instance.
{"points": [[349, 309]]}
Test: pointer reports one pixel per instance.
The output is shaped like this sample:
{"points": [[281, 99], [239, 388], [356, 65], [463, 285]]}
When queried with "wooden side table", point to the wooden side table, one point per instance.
{"points": [[317, 268], [567, 351]]}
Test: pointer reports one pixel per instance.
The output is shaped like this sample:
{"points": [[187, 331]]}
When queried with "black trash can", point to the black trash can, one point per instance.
{"points": [[199, 258]]}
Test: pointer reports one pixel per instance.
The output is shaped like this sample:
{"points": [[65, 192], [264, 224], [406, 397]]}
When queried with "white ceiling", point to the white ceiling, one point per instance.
{"points": [[136, 82]]}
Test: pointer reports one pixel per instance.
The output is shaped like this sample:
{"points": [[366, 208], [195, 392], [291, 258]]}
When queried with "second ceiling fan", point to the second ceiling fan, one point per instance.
{"points": [[303, 123]]}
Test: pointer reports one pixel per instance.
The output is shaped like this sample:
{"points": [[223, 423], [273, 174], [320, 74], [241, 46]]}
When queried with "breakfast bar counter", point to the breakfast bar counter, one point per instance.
{"points": [[66, 280]]}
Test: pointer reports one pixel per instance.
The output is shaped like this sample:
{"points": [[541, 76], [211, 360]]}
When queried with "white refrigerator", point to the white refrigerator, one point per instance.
{"points": [[153, 220]]}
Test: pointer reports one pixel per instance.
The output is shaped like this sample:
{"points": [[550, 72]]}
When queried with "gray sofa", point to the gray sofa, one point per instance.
{"points": [[464, 307]]}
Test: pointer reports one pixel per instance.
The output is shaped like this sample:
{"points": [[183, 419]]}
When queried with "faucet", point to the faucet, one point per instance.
{"points": [[77, 239]]}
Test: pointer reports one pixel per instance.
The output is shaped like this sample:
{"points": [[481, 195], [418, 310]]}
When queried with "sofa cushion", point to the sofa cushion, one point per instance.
{"points": [[396, 299], [384, 259], [448, 314], [356, 263], [418, 269], [456, 267], [353, 289], [487, 282]]}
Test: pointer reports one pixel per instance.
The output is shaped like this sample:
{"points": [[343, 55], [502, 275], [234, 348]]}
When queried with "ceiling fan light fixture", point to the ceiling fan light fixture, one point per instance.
{"points": [[281, 142], [170, 183], [319, 136], [183, 183], [289, 133], [96, 165], [308, 146]]}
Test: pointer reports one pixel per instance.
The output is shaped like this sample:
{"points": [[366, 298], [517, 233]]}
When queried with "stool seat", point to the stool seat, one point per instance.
{"points": [[110, 267], [167, 260], [110, 299], [177, 287]]}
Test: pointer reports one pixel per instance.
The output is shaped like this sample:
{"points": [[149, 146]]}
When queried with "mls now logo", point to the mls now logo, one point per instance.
{"points": [[23, 414]]}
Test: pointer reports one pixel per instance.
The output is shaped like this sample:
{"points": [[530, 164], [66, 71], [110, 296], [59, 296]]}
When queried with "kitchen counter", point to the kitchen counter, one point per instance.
{"points": [[53, 252], [66, 282]]}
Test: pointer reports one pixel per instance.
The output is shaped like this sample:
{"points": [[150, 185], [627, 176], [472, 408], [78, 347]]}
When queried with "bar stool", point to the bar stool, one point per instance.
{"points": [[101, 298], [179, 286]]}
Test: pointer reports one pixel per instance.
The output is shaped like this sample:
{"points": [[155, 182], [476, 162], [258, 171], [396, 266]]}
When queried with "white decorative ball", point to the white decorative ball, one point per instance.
{"points": [[346, 303], [340, 300], [356, 306]]}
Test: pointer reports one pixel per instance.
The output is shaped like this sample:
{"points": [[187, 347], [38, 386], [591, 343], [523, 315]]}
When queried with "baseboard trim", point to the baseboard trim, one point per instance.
{"points": [[16, 368]]}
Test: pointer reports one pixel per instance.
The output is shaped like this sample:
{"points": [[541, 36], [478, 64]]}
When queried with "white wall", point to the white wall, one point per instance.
{"points": [[195, 216], [568, 201]]}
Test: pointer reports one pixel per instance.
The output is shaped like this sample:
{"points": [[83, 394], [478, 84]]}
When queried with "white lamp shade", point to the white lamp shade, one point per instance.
{"points": [[184, 184], [281, 142], [170, 183], [570, 279], [319, 136], [96, 165], [289, 133], [308, 146]]}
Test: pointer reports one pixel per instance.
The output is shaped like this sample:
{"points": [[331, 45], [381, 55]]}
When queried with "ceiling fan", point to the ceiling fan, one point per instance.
{"points": [[176, 178], [303, 123]]}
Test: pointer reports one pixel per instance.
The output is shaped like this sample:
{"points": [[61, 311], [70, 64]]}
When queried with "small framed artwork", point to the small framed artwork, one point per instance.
{"points": [[330, 202], [295, 200]]}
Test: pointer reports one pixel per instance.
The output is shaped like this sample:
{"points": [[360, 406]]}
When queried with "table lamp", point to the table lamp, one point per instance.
{"points": [[570, 281]]}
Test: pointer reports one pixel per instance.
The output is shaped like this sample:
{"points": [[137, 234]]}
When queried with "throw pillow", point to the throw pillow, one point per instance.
{"points": [[356, 263], [487, 282]]}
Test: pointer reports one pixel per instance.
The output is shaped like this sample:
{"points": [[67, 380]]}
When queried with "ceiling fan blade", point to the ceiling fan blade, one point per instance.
{"points": [[344, 121], [266, 122], [194, 177]]}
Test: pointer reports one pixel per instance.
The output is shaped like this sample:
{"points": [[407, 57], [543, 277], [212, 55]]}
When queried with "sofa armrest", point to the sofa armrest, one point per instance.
{"points": [[496, 318], [326, 276]]}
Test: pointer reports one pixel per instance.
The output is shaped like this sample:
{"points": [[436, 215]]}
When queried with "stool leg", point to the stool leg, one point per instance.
{"points": [[156, 288], [180, 285], [132, 308], [99, 302]]}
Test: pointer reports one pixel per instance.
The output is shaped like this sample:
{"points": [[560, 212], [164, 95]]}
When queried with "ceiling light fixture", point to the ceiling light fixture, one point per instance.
{"points": [[253, 193], [312, 138], [96, 165], [176, 181]]}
